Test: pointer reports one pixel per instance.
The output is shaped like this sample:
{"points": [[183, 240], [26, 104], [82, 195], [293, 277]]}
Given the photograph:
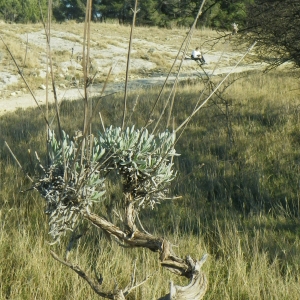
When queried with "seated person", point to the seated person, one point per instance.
{"points": [[196, 55]]}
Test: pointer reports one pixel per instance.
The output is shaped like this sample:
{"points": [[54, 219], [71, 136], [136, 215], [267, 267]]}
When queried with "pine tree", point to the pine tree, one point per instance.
{"points": [[31, 11], [10, 9], [69, 10]]}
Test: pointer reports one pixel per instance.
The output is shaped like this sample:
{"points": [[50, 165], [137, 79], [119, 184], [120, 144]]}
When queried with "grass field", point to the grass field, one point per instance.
{"points": [[238, 175]]}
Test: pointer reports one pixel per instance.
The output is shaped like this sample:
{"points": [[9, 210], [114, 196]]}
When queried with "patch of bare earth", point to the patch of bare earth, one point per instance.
{"points": [[152, 55]]}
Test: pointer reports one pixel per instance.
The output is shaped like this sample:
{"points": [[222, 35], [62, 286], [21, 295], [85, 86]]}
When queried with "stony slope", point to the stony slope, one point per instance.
{"points": [[153, 53]]}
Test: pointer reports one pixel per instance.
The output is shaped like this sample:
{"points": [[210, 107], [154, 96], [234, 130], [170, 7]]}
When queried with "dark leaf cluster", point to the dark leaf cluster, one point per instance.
{"points": [[275, 25]]}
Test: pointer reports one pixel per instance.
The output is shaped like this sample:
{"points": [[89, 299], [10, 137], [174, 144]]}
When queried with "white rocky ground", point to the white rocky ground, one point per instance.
{"points": [[102, 59]]}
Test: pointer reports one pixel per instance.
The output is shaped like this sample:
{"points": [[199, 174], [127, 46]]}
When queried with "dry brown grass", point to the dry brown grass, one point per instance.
{"points": [[251, 256]]}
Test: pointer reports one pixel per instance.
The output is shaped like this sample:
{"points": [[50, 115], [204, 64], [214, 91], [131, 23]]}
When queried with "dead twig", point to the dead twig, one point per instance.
{"points": [[16, 160], [135, 11]]}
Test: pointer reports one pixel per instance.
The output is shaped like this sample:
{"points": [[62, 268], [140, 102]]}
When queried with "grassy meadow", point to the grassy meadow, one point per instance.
{"points": [[238, 175]]}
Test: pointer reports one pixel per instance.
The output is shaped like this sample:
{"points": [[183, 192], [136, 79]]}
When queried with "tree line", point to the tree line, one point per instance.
{"points": [[274, 24], [164, 13]]}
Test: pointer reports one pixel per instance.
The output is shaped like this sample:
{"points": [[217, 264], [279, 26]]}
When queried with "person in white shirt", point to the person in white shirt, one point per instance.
{"points": [[235, 28], [197, 55]]}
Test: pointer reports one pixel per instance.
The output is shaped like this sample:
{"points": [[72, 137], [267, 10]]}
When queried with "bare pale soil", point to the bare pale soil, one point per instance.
{"points": [[153, 54]]}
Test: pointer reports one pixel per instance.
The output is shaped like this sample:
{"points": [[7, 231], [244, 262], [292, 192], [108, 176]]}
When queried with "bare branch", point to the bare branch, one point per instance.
{"points": [[136, 238], [16, 160], [93, 284], [216, 88], [187, 42], [96, 285], [135, 11], [24, 79]]}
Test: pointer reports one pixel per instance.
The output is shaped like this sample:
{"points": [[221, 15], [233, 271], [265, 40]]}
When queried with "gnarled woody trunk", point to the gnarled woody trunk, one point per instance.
{"points": [[184, 267], [137, 238], [132, 237], [194, 290]]}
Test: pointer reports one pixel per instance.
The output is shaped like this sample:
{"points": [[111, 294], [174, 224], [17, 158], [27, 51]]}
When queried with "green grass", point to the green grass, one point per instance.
{"points": [[241, 206]]}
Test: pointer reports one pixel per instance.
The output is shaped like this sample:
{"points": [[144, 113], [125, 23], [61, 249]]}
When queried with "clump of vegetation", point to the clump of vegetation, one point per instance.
{"points": [[75, 175], [72, 181]]}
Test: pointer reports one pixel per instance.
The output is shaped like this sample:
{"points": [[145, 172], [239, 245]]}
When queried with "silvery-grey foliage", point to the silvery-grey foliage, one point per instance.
{"points": [[69, 185], [143, 160], [73, 181]]}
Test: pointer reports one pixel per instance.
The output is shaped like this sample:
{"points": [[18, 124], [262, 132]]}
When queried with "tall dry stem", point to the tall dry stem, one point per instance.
{"points": [[135, 11]]}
